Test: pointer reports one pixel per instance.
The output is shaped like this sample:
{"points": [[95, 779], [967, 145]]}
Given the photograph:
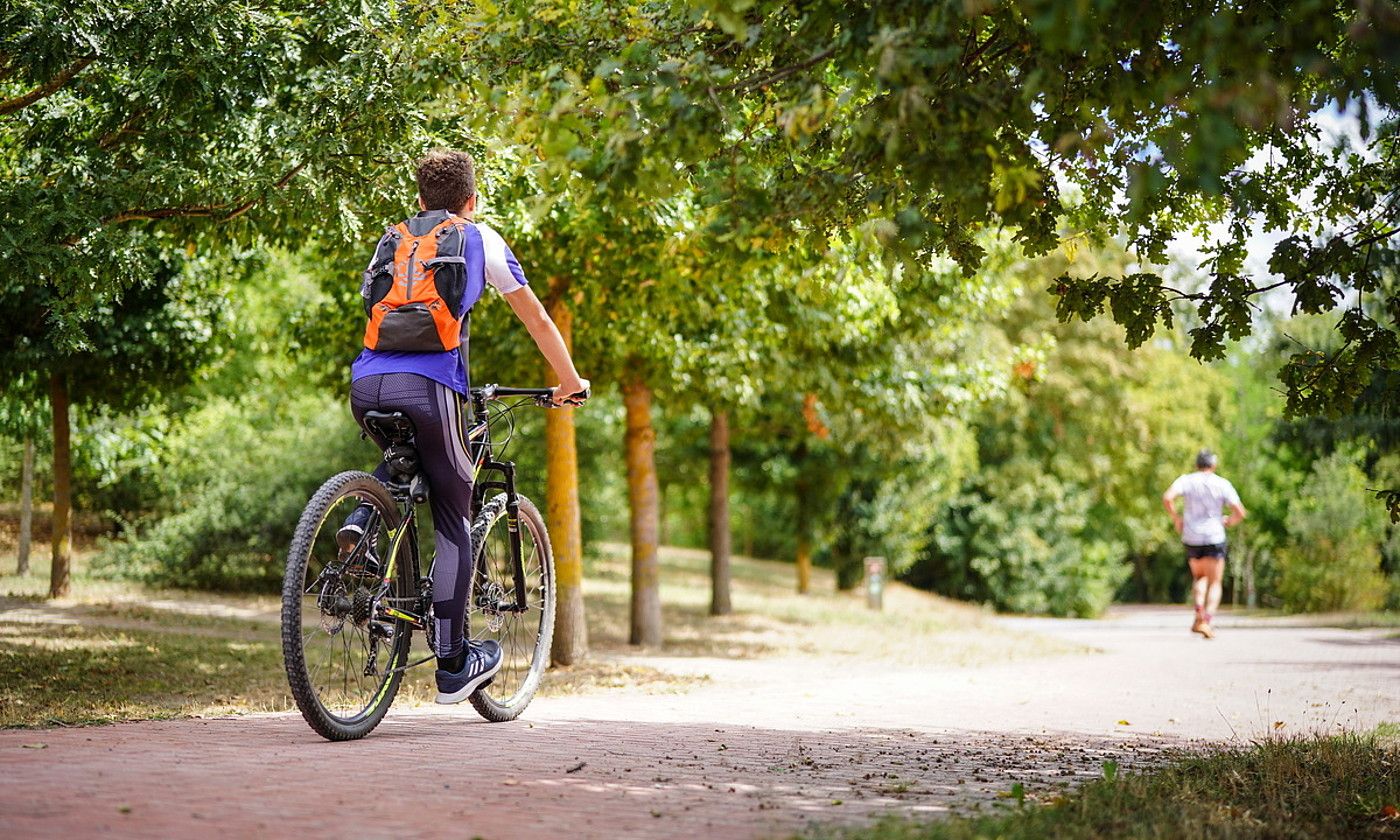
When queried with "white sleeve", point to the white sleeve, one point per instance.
{"points": [[1175, 490], [503, 271], [1231, 496]]}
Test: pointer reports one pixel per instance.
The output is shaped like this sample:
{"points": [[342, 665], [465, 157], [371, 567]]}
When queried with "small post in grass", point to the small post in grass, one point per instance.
{"points": [[874, 582]]}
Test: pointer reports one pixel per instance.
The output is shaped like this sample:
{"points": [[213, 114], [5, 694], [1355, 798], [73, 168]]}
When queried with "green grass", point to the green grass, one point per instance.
{"points": [[1366, 620], [75, 674], [1311, 787], [116, 651], [1361, 621]]}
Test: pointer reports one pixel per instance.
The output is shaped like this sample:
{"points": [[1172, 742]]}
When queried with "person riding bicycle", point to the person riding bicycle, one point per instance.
{"points": [[428, 387], [1202, 531]]}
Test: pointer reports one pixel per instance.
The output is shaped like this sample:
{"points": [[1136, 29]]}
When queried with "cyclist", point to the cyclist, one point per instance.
{"points": [[428, 387], [1202, 531]]}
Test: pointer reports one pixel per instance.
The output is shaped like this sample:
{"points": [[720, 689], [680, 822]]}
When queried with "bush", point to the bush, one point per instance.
{"points": [[236, 477], [1332, 558], [1027, 547], [885, 512]]}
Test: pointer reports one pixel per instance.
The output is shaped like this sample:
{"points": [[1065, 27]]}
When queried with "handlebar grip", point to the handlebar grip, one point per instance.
{"points": [[570, 399]]}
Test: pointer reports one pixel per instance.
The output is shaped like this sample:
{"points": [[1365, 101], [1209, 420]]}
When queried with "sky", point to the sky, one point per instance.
{"points": [[1337, 128]]}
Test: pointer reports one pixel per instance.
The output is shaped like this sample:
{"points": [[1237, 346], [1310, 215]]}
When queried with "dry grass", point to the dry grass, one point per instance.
{"points": [[771, 619], [1307, 787], [116, 651]]}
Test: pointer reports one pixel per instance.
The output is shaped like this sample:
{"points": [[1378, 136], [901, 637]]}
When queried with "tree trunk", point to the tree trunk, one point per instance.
{"points": [[62, 488], [719, 514], [562, 514], [1251, 598], [663, 525], [26, 506], [642, 492], [1144, 593], [804, 565], [804, 524]]}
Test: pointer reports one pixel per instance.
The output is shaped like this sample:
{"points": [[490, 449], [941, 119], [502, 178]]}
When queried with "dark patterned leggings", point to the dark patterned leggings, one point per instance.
{"points": [[436, 412]]}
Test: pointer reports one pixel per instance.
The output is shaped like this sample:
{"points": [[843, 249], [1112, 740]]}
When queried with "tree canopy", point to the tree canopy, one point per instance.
{"points": [[925, 122]]}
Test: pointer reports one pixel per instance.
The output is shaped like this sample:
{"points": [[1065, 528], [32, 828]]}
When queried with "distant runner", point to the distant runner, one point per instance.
{"points": [[1202, 530]]}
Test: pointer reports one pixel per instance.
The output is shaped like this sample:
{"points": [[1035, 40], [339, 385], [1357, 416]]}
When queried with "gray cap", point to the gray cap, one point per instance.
{"points": [[1205, 459]]}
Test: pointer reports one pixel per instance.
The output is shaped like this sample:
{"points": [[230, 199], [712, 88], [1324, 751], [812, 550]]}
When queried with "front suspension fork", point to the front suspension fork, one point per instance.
{"points": [[517, 556]]}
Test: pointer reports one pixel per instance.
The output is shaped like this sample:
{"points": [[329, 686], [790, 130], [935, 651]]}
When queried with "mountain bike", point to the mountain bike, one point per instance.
{"points": [[348, 617]]}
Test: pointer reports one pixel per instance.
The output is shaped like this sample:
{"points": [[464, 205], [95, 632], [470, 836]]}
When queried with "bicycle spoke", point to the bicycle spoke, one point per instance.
{"points": [[335, 667]]}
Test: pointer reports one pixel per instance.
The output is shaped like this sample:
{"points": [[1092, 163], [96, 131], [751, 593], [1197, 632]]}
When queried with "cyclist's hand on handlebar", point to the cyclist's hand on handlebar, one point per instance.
{"points": [[572, 393]]}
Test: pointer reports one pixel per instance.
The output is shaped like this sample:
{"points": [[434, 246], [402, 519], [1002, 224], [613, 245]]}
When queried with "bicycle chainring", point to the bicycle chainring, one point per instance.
{"points": [[430, 627]]}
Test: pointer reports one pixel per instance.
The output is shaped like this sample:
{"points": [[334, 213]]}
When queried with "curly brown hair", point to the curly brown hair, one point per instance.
{"points": [[446, 179]]}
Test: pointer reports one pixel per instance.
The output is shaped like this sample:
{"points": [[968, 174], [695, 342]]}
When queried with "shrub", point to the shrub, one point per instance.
{"points": [[236, 477], [1026, 547], [1332, 558]]}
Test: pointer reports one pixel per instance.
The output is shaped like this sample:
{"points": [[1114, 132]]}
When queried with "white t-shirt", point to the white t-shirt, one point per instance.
{"points": [[1206, 494]]}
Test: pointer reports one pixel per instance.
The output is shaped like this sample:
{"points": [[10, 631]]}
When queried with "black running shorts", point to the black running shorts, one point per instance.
{"points": [[1194, 552]]}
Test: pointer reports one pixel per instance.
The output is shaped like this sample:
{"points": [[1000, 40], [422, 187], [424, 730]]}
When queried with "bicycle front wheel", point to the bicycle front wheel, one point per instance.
{"points": [[343, 658], [524, 626]]}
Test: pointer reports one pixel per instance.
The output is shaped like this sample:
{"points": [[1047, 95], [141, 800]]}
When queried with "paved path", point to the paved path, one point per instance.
{"points": [[762, 750]]}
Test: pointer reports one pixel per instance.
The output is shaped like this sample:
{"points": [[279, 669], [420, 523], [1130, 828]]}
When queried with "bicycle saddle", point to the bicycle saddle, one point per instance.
{"points": [[393, 426]]}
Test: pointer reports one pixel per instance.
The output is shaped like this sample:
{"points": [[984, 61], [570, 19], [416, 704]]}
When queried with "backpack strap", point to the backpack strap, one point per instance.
{"points": [[464, 346]]}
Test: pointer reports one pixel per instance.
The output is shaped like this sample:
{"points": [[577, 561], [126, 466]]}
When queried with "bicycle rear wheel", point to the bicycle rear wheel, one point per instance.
{"points": [[339, 655], [524, 634]]}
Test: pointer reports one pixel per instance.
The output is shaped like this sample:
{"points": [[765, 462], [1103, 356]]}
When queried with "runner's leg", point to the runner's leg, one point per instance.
{"points": [[1215, 574], [1200, 591], [1200, 584]]}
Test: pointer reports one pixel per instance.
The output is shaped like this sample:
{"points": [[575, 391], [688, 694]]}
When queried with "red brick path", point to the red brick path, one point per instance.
{"points": [[450, 775], [765, 749]]}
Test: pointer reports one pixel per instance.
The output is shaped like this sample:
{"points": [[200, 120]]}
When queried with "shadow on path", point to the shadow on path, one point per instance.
{"points": [[450, 775]]}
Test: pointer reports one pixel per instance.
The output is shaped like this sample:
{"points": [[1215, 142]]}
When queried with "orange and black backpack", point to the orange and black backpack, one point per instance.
{"points": [[414, 285]]}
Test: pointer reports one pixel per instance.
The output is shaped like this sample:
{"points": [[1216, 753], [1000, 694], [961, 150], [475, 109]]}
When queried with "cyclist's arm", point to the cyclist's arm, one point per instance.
{"points": [[532, 314], [504, 273]]}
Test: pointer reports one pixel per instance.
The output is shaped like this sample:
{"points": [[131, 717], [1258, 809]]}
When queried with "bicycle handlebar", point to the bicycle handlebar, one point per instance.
{"points": [[542, 396]]}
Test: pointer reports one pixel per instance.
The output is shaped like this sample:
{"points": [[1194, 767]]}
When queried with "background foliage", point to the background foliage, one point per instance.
{"points": [[879, 236]]}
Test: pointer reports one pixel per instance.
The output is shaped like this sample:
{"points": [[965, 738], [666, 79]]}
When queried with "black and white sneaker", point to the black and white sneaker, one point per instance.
{"points": [[483, 662], [349, 536]]}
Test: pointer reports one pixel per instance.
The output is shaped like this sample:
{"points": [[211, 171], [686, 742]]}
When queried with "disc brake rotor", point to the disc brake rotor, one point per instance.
{"points": [[490, 602], [334, 607]]}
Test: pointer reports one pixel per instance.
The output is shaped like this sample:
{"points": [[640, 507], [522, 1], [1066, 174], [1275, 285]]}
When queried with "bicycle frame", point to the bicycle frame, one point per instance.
{"points": [[404, 538]]}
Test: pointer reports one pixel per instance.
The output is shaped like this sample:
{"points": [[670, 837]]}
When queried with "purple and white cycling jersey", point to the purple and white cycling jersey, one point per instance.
{"points": [[489, 262]]}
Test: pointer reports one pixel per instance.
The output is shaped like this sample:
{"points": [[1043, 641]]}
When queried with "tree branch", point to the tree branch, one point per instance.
{"points": [[224, 212], [781, 73], [48, 88], [970, 59], [110, 139], [252, 202]]}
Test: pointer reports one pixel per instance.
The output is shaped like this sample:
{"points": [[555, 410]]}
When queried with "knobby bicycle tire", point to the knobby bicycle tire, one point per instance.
{"points": [[365, 488]]}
